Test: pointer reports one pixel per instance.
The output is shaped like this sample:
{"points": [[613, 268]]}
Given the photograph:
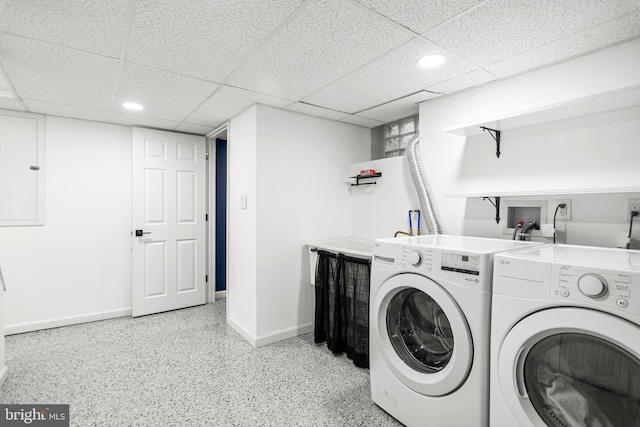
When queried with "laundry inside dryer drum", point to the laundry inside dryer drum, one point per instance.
{"points": [[580, 380], [419, 331]]}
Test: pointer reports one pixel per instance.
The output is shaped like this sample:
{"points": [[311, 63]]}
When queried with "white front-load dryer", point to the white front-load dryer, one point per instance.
{"points": [[429, 328], [565, 338]]}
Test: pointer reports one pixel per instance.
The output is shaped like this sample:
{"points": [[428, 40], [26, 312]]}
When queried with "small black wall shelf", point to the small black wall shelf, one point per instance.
{"points": [[495, 205], [495, 134], [359, 177]]}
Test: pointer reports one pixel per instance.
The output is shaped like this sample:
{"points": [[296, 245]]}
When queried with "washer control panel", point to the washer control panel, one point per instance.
{"points": [[460, 263], [427, 260], [609, 288]]}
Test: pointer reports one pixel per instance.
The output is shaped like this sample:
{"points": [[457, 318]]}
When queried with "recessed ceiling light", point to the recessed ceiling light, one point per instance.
{"points": [[132, 106], [431, 61]]}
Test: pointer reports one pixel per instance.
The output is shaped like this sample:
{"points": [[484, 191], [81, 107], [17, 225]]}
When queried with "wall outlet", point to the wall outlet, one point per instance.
{"points": [[564, 214], [632, 205]]}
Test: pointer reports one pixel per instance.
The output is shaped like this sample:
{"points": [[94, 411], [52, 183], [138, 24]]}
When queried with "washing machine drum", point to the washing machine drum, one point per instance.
{"points": [[422, 334], [567, 367], [577, 379], [419, 331]]}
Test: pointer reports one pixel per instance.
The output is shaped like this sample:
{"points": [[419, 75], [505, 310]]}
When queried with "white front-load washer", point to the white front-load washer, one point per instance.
{"points": [[429, 328], [565, 337]]}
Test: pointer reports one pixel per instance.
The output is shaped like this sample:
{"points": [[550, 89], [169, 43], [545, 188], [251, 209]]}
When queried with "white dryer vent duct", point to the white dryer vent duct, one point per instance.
{"points": [[420, 182]]}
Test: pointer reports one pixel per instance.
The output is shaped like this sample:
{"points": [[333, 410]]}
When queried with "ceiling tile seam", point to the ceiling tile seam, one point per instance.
{"points": [[324, 108], [125, 41], [461, 90], [446, 52], [99, 55], [12, 88], [356, 70], [396, 99], [267, 40], [255, 52], [73, 106], [204, 101], [383, 17], [219, 88], [280, 27], [584, 30], [123, 52], [458, 15]]}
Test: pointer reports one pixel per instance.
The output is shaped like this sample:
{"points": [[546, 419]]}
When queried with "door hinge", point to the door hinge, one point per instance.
{"points": [[206, 278], [207, 156], [206, 217]]}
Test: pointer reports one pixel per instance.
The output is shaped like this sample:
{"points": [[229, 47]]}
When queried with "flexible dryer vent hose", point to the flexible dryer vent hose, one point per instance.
{"points": [[420, 182]]}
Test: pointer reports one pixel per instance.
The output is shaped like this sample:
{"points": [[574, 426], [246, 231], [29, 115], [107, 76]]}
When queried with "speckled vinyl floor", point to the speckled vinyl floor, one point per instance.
{"points": [[186, 368]]}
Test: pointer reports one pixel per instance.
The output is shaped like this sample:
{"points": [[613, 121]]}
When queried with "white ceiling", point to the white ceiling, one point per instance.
{"points": [[195, 64]]}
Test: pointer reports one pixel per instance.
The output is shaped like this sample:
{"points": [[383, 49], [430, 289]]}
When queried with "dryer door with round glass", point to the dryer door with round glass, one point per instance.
{"points": [[423, 334], [573, 367]]}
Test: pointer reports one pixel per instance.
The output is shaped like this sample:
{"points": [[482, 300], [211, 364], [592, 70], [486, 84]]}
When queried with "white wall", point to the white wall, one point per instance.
{"points": [[572, 154], [77, 267], [382, 209], [241, 224], [301, 167], [3, 367]]}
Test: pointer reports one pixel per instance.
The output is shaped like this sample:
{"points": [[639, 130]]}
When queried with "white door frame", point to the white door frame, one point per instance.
{"points": [[218, 132]]}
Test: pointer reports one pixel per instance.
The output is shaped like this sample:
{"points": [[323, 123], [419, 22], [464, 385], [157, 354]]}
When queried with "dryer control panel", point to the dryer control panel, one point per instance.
{"points": [[578, 283]]}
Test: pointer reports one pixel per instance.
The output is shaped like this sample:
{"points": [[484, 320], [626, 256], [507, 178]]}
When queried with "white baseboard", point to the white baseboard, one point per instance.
{"points": [[4, 372], [283, 334], [64, 321], [271, 337], [221, 294], [242, 331]]}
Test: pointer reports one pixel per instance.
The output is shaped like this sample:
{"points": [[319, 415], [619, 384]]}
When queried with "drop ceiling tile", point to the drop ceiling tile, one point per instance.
{"points": [[362, 121], [326, 39], [228, 102], [142, 121], [96, 26], [313, 110], [11, 104], [72, 111], [46, 72], [600, 36], [389, 77], [499, 29], [206, 39], [464, 81], [165, 95], [398, 109], [195, 129], [419, 15]]}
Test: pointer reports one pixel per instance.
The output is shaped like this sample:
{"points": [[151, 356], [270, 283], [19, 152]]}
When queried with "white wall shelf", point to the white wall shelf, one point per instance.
{"points": [[360, 177], [545, 192], [609, 101]]}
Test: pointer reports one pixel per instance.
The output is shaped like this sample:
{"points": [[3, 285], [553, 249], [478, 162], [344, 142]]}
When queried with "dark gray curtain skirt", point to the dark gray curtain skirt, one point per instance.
{"points": [[342, 305]]}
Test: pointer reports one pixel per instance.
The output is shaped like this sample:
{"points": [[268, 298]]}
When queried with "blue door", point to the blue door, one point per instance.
{"points": [[221, 215]]}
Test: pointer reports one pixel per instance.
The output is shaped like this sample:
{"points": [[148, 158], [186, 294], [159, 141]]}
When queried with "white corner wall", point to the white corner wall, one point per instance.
{"points": [[241, 224], [294, 169], [302, 197], [569, 155], [76, 267]]}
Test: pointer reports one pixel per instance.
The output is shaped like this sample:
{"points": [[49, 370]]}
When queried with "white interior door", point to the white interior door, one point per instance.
{"points": [[168, 249]]}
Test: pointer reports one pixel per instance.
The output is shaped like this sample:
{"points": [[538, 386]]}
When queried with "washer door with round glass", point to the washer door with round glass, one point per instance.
{"points": [[573, 367], [423, 334]]}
